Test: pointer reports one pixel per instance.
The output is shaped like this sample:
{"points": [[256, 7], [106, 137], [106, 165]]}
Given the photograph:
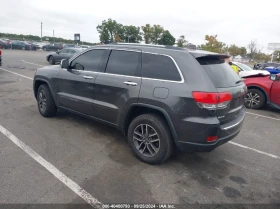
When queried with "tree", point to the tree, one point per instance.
{"points": [[108, 30], [131, 34], [166, 39], [212, 44], [117, 38], [182, 42], [252, 46], [148, 33], [157, 33], [234, 50], [243, 51]]}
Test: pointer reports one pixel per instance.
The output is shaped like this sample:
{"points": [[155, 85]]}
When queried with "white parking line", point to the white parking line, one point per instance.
{"points": [[53, 170], [258, 151], [16, 73], [263, 116], [31, 63]]}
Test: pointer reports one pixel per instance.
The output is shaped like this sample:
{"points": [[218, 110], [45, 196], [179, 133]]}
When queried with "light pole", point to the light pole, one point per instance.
{"points": [[41, 30], [53, 36]]}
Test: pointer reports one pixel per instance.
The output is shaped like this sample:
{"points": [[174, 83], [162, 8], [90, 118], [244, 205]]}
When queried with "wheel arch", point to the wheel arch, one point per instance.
{"points": [[139, 109], [37, 83]]}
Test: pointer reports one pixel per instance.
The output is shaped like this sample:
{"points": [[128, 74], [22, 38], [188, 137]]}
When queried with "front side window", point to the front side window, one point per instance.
{"points": [[123, 63], [64, 51], [89, 61], [159, 67]]}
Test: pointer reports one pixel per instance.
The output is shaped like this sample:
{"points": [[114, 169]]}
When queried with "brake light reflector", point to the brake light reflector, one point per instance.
{"points": [[211, 138], [212, 100]]}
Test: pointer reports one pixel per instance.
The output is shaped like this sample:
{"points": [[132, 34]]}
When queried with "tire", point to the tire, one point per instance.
{"points": [[255, 99], [44, 49], [51, 60], [46, 105], [23, 48], [161, 149]]}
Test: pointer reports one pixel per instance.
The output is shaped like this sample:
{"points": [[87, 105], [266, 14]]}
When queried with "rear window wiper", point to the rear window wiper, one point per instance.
{"points": [[238, 81]]}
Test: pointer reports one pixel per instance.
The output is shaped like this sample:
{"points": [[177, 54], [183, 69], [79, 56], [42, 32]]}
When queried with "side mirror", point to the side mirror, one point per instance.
{"points": [[64, 64], [274, 77], [58, 51]]}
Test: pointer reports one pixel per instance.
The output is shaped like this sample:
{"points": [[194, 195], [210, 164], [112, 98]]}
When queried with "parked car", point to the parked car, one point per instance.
{"points": [[245, 70], [41, 44], [23, 45], [65, 53], [52, 47], [0, 56], [4, 44], [262, 90], [158, 96], [262, 66], [69, 45], [273, 70], [84, 46]]}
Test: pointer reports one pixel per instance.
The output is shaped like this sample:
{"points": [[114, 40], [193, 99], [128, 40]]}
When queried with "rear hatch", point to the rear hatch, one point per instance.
{"points": [[227, 82]]}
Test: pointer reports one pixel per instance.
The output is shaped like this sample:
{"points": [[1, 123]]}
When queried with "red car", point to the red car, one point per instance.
{"points": [[262, 90]]}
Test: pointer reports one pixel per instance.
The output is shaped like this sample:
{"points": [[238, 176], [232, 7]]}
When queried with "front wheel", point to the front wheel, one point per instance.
{"points": [[255, 99], [150, 139], [51, 60], [46, 104]]}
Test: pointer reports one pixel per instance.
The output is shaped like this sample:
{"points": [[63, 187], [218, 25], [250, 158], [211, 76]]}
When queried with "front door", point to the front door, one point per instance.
{"points": [[75, 86], [275, 92], [119, 86]]}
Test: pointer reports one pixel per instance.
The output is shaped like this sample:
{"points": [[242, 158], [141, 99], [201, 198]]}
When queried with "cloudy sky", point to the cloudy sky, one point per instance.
{"points": [[234, 21]]}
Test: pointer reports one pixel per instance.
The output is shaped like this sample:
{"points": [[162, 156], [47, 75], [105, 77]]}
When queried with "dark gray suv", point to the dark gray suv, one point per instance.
{"points": [[158, 96]]}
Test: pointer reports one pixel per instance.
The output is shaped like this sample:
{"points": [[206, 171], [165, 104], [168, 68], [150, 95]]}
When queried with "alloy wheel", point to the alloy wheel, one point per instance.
{"points": [[252, 99], [146, 140], [42, 101]]}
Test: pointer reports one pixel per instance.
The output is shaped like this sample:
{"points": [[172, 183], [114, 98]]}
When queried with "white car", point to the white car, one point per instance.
{"points": [[245, 70]]}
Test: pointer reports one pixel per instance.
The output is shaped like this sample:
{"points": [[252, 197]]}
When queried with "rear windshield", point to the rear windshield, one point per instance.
{"points": [[221, 73]]}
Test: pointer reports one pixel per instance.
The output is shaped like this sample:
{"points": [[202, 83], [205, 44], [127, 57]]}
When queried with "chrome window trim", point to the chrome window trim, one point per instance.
{"points": [[134, 50]]}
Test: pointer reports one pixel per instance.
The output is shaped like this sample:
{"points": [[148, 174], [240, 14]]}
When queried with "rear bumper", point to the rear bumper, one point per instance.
{"points": [[224, 132]]}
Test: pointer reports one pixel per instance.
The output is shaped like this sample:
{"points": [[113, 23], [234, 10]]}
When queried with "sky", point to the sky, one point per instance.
{"points": [[234, 21]]}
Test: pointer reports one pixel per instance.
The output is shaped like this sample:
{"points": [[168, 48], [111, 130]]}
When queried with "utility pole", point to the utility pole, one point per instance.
{"points": [[41, 30], [53, 36]]}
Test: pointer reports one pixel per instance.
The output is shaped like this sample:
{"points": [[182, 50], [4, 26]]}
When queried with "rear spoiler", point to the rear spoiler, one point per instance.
{"points": [[201, 53]]}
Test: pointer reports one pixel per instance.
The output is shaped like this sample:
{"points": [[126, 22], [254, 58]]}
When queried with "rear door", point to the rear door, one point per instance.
{"points": [[275, 92], [226, 80], [76, 87], [119, 86]]}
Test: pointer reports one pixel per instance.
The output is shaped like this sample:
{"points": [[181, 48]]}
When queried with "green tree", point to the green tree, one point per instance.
{"points": [[166, 39], [131, 34], [212, 44], [182, 42], [148, 31], [157, 33], [234, 50], [109, 29]]}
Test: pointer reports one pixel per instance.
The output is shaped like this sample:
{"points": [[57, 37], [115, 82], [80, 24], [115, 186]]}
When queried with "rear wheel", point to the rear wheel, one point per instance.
{"points": [[23, 48], [46, 105], [150, 139], [51, 60], [255, 99]]}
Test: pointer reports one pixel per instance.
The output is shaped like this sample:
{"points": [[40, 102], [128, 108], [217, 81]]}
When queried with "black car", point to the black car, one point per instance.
{"points": [[52, 47], [62, 54], [23, 45], [157, 96], [0, 57]]}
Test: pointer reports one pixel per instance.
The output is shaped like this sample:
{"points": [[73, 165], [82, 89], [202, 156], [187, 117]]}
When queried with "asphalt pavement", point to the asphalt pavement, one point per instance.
{"points": [[96, 159]]}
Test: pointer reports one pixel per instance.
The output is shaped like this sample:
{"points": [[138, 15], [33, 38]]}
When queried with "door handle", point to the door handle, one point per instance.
{"points": [[87, 77], [129, 83]]}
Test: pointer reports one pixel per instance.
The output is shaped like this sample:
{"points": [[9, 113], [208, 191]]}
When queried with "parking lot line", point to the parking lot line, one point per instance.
{"points": [[258, 151], [263, 116], [16, 73], [31, 63], [53, 170]]}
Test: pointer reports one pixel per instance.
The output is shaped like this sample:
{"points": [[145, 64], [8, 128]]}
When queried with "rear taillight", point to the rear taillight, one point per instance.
{"points": [[212, 100], [0, 51]]}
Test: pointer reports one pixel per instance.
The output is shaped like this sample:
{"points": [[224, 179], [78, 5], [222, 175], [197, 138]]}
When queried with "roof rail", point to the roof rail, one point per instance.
{"points": [[147, 45]]}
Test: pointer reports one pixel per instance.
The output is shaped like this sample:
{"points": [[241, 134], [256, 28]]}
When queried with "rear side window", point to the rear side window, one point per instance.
{"points": [[123, 63], [159, 67], [221, 74], [89, 61]]}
